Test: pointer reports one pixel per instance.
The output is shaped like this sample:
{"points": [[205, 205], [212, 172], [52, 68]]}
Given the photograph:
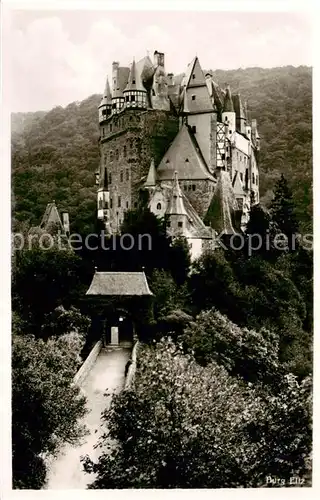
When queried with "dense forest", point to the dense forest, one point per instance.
{"points": [[55, 154]]}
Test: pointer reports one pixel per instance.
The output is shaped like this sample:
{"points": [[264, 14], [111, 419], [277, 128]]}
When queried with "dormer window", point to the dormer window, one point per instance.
{"points": [[180, 224], [193, 97], [193, 76], [187, 161], [167, 161], [133, 82]]}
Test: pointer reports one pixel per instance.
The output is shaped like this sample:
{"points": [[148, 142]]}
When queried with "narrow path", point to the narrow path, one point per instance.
{"points": [[107, 374]]}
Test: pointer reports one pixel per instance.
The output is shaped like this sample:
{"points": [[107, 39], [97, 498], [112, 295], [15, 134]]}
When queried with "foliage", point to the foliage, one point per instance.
{"points": [[45, 405], [63, 321], [187, 426], [44, 280], [179, 260], [283, 209], [252, 355]]}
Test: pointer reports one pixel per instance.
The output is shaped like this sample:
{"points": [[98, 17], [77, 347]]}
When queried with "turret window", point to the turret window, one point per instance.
{"points": [[159, 206], [168, 223], [180, 224], [127, 98], [193, 76], [133, 98], [194, 129]]}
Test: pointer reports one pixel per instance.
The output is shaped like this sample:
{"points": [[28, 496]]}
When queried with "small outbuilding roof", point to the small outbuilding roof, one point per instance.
{"points": [[119, 283]]}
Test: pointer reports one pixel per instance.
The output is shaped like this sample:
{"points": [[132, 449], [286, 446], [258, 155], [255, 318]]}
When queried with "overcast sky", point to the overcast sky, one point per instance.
{"points": [[58, 57]]}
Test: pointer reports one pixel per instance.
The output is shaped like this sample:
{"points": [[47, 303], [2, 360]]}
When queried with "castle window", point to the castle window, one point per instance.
{"points": [[111, 155], [114, 105], [117, 154], [127, 174], [100, 204], [193, 76], [121, 176], [110, 178], [153, 92], [125, 151], [194, 129], [193, 97], [252, 178], [135, 204], [127, 98], [159, 206], [119, 201], [241, 176], [185, 187], [168, 223], [167, 161], [187, 160], [102, 131], [180, 224], [110, 127], [133, 82], [133, 98], [193, 187], [127, 204], [110, 202], [104, 111]]}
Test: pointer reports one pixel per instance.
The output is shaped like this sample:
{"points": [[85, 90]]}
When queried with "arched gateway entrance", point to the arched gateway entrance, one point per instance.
{"points": [[117, 304]]}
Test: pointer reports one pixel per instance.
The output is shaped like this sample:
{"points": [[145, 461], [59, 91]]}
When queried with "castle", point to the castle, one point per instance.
{"points": [[179, 143]]}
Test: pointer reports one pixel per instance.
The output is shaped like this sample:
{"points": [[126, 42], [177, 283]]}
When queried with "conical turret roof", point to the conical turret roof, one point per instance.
{"points": [[107, 97], [176, 203], [222, 206], [228, 104], [152, 175], [134, 80]]}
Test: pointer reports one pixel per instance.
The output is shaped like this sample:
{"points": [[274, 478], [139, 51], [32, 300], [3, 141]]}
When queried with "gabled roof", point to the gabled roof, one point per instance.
{"points": [[183, 157], [228, 104], [152, 175], [145, 69], [194, 75], [237, 184], [176, 202], [222, 206], [119, 284], [51, 217], [134, 80]]}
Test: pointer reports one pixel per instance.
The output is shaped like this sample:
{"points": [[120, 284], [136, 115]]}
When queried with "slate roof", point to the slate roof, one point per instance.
{"points": [[123, 75], [119, 284], [134, 80], [183, 157], [228, 103], [237, 104], [51, 216], [176, 202], [107, 97], [152, 175], [222, 206]]}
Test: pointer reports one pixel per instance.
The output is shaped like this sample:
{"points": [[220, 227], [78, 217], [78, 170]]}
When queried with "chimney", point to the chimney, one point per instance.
{"points": [[115, 66], [158, 58]]}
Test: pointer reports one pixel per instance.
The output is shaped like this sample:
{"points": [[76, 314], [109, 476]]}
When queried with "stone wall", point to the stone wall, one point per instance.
{"points": [[85, 368]]}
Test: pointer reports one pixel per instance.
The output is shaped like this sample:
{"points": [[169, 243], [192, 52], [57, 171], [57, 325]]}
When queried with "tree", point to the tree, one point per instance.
{"points": [[251, 354], [46, 405], [44, 280], [179, 260], [283, 209], [187, 426]]}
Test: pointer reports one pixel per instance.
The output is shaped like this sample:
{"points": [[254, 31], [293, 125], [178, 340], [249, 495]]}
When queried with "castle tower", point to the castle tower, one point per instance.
{"points": [[228, 113], [135, 95], [159, 91], [176, 214], [105, 106], [199, 113]]}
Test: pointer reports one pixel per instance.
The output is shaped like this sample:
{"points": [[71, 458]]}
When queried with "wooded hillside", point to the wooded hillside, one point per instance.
{"points": [[55, 153]]}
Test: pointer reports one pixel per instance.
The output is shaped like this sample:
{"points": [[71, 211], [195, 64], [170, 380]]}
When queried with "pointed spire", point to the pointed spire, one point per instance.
{"points": [[152, 175], [107, 97], [176, 203], [228, 104], [134, 80], [222, 206]]}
